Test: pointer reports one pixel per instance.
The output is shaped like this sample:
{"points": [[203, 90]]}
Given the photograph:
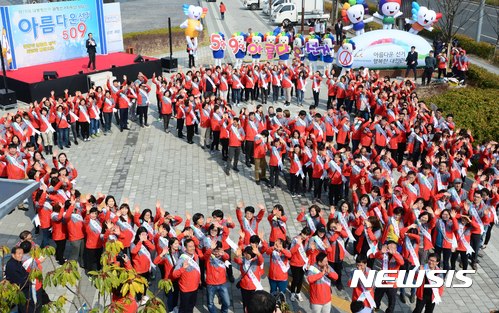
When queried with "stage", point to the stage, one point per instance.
{"points": [[29, 85]]}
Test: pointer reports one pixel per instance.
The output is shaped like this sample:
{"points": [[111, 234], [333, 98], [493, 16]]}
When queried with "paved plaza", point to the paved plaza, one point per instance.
{"points": [[146, 164]]}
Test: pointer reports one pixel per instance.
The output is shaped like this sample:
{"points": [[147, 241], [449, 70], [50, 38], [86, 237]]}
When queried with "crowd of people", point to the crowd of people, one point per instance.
{"points": [[393, 169]]}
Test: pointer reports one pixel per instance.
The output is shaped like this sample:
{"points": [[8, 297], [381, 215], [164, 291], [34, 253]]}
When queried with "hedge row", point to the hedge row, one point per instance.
{"points": [[481, 78], [473, 108], [481, 49]]}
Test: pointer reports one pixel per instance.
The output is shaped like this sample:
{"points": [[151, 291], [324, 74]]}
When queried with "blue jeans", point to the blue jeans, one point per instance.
{"points": [[62, 137], [107, 121], [94, 125], [46, 235], [299, 96], [223, 294], [236, 96], [278, 284]]}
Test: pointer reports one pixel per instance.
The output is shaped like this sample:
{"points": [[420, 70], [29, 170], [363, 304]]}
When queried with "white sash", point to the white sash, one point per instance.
{"points": [[276, 153], [12, 160], [277, 258], [452, 241], [382, 132], [253, 125], [372, 246], [163, 243], [436, 292], [440, 186], [360, 209], [83, 110], [123, 96], [319, 129], [236, 132], [198, 233], [33, 129], [286, 78], [385, 261], [455, 195], [238, 81], [344, 223], [45, 121], [462, 238], [425, 181], [95, 226], [366, 294], [395, 225], [338, 169], [412, 252], [303, 255], [412, 189], [310, 223], [247, 226], [193, 115], [319, 243], [73, 115], [321, 163], [314, 270], [277, 79], [144, 251], [315, 85], [148, 227], [96, 111], [296, 159], [474, 213], [191, 262], [211, 82], [303, 84], [423, 230], [247, 269], [309, 154]]}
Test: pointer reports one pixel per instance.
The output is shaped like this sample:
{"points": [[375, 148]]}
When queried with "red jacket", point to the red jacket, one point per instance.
{"points": [[278, 271], [58, 225], [188, 278], [278, 228], [253, 223], [141, 259], [215, 268], [320, 285], [255, 267]]}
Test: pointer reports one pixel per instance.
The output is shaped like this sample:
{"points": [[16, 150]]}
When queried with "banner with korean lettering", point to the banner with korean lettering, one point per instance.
{"points": [[387, 49], [55, 31], [114, 31]]}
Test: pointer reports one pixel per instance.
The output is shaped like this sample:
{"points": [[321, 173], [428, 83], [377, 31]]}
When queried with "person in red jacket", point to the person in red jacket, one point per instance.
{"points": [[215, 260], [361, 293], [248, 222], [168, 258], [390, 260], [93, 243], [141, 258], [277, 150], [259, 151], [188, 274], [279, 266], [16, 169], [319, 277], [236, 138], [250, 261], [428, 297], [298, 262], [277, 221]]}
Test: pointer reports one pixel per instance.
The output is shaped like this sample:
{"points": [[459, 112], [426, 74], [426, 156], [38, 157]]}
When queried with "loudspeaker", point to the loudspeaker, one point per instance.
{"points": [[138, 59], [8, 99], [50, 75], [168, 63]]}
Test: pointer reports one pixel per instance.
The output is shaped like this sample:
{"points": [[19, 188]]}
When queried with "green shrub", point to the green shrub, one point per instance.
{"points": [[481, 78], [373, 26], [152, 32], [473, 108]]}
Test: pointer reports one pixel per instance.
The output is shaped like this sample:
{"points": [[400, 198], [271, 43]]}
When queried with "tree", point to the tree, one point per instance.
{"points": [[107, 280], [451, 10]]}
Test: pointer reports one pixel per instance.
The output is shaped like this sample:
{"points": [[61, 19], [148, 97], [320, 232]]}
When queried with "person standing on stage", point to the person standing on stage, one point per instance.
{"points": [[91, 50]]}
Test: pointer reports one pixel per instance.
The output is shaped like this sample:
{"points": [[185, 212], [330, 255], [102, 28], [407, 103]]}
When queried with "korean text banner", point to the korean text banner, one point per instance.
{"points": [[52, 32]]}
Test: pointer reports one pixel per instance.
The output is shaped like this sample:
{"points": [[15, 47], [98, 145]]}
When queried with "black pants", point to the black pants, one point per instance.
{"points": [[142, 113], [441, 72], [318, 187], [85, 129], [190, 133], [74, 132], [91, 60], [265, 95], [400, 152], [316, 97], [124, 118], [488, 233], [246, 295], [180, 127], [335, 193], [60, 247], [229, 271], [166, 120], [297, 274], [330, 102], [338, 268], [192, 63], [475, 244], [426, 304], [187, 301], [428, 72], [308, 172], [274, 176], [446, 253], [92, 259], [409, 69], [392, 298], [249, 148], [294, 183], [216, 140], [464, 259], [225, 148], [249, 93], [275, 93]]}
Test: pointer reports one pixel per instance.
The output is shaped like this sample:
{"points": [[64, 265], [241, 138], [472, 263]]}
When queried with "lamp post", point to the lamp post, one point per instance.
{"points": [[302, 15]]}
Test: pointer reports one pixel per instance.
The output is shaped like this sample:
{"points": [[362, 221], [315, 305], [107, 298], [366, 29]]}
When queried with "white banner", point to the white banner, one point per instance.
{"points": [[387, 49], [113, 28]]}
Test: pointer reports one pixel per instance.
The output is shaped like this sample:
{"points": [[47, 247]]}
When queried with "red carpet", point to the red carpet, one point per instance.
{"points": [[33, 74]]}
